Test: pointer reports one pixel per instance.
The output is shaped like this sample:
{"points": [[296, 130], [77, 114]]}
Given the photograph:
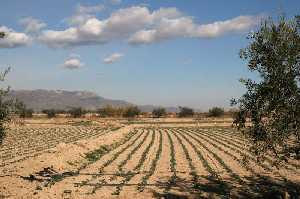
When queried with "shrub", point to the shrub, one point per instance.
{"points": [[131, 111], [26, 113], [185, 112], [60, 111], [23, 111], [76, 112], [110, 111], [159, 112], [50, 112], [215, 112]]}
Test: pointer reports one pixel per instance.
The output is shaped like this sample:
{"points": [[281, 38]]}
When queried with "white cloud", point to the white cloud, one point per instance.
{"points": [[237, 24], [32, 25], [139, 25], [186, 27], [120, 25], [113, 58], [166, 29], [166, 13], [73, 63], [83, 13], [13, 39]]}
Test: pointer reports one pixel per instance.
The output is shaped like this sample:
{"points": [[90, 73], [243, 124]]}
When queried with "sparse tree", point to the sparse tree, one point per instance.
{"points": [[159, 112], [51, 113], [109, 111], [7, 107], [25, 112], [60, 111], [76, 112], [272, 103], [131, 112], [215, 112], [185, 112]]}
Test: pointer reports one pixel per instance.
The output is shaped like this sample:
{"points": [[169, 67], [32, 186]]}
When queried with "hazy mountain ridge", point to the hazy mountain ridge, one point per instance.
{"points": [[61, 99]]}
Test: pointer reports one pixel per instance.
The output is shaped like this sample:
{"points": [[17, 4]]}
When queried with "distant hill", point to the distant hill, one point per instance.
{"points": [[60, 99]]}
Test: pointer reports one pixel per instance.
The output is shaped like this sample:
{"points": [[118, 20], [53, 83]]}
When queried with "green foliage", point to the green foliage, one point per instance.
{"points": [[272, 103], [215, 112], [2, 35], [7, 107], [26, 113], [110, 111], [185, 112], [153, 164], [76, 112], [159, 112], [131, 111], [173, 163], [60, 111], [23, 111], [95, 155], [51, 113]]}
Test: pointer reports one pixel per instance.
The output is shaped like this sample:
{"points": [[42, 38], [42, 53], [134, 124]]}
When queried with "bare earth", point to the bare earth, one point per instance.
{"points": [[137, 161]]}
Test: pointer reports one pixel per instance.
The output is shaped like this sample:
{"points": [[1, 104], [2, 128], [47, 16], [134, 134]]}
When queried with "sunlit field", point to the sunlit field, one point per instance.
{"points": [[153, 158], [131, 99]]}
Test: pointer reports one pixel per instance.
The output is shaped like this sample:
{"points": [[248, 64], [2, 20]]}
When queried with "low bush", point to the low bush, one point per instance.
{"points": [[131, 112], [185, 112], [76, 112], [51, 113], [159, 112], [215, 112]]}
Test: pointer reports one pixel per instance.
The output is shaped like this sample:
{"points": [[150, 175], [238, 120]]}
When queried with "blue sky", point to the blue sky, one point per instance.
{"points": [[169, 53]]}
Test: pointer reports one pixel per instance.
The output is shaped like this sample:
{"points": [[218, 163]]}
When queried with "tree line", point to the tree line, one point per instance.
{"points": [[111, 111]]}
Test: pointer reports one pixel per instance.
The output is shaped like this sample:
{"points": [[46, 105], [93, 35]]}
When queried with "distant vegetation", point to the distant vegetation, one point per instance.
{"points": [[25, 112], [159, 112], [76, 112], [110, 111], [131, 112], [216, 112], [50, 112], [185, 112]]}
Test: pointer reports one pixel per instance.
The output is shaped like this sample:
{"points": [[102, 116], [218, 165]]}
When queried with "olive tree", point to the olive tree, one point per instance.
{"points": [[51, 113], [215, 112], [76, 112], [159, 112], [131, 112], [7, 106], [185, 112], [25, 112], [272, 101]]}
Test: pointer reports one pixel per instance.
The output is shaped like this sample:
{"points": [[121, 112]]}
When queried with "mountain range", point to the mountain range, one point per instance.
{"points": [[61, 99]]}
